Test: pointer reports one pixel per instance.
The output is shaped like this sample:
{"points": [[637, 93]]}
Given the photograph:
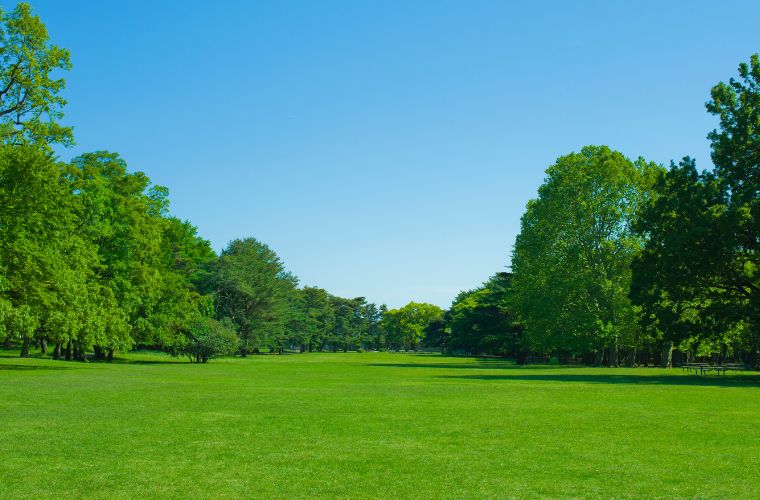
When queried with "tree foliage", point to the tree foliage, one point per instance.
{"points": [[698, 275], [30, 95], [481, 321], [572, 258], [405, 327]]}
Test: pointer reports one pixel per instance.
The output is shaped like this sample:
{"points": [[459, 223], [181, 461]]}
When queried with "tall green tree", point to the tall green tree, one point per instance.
{"points": [[30, 95], [481, 320], [698, 275], [122, 215], [350, 326], [252, 289], [320, 319], [43, 260], [406, 327], [571, 261]]}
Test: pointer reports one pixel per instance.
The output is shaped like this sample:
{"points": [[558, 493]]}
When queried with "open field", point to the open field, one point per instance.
{"points": [[372, 425]]}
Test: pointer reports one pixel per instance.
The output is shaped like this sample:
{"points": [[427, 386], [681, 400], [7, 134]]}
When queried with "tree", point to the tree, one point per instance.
{"points": [[252, 287], [571, 261], [121, 215], [319, 319], [350, 326], [481, 321], [185, 269], [405, 327], [30, 100], [373, 315], [698, 274], [438, 334], [208, 338], [44, 262]]}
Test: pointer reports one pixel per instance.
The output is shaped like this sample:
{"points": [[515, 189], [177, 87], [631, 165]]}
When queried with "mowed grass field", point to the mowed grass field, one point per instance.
{"points": [[372, 425]]}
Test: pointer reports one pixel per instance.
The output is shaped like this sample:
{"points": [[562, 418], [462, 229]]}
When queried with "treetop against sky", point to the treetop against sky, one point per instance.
{"points": [[386, 150]]}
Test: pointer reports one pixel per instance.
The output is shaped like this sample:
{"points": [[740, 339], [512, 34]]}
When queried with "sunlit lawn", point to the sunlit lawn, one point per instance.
{"points": [[372, 425]]}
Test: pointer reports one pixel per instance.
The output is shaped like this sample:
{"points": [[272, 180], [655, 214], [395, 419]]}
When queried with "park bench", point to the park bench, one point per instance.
{"points": [[712, 368], [697, 367], [739, 367], [703, 368]]}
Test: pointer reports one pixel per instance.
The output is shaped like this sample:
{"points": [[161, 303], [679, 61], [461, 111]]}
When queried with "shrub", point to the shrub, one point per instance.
{"points": [[208, 338], [554, 361]]}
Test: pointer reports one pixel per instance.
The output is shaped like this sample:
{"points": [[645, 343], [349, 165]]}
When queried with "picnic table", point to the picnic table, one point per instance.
{"points": [[693, 366], [703, 368]]}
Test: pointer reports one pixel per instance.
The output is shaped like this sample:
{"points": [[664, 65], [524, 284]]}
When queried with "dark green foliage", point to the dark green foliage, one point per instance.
{"points": [[697, 279], [253, 288], [481, 322]]}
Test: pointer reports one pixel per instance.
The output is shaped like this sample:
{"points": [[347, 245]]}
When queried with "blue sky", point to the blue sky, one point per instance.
{"points": [[386, 149]]}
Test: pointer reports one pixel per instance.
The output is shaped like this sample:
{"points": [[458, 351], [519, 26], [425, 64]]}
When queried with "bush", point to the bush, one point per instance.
{"points": [[208, 338], [360, 350], [554, 361]]}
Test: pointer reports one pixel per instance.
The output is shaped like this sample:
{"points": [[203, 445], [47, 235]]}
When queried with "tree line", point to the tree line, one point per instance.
{"points": [[92, 262], [622, 262], [617, 261]]}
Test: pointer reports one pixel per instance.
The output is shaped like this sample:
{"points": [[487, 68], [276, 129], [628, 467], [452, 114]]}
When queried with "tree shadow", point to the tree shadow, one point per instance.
{"points": [[604, 378], [4, 366], [480, 364], [489, 366], [127, 361]]}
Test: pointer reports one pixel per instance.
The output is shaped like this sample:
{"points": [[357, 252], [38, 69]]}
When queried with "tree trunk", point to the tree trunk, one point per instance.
{"points": [[57, 351], [81, 353], [68, 351], [25, 347], [109, 356], [667, 355], [613, 354], [752, 357], [43, 345], [599, 357]]}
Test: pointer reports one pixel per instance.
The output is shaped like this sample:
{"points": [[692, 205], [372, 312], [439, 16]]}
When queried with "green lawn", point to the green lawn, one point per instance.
{"points": [[372, 425]]}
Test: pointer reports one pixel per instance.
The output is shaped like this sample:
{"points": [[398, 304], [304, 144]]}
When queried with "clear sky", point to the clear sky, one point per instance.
{"points": [[386, 149]]}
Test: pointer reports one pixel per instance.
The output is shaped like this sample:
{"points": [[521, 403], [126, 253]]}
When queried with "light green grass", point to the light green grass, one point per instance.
{"points": [[372, 425]]}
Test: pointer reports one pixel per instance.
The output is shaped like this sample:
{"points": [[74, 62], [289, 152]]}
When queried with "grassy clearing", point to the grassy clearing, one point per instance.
{"points": [[372, 425]]}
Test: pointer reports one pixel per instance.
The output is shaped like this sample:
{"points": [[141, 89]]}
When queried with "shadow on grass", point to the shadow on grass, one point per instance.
{"points": [[32, 367], [480, 364], [674, 379], [127, 361]]}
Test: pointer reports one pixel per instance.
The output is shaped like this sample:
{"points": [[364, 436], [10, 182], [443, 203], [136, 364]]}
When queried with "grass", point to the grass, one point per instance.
{"points": [[372, 425]]}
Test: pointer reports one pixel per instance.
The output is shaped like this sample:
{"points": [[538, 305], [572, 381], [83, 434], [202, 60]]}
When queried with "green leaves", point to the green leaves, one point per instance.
{"points": [[407, 325], [252, 287], [697, 278], [30, 97], [571, 260], [482, 321]]}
